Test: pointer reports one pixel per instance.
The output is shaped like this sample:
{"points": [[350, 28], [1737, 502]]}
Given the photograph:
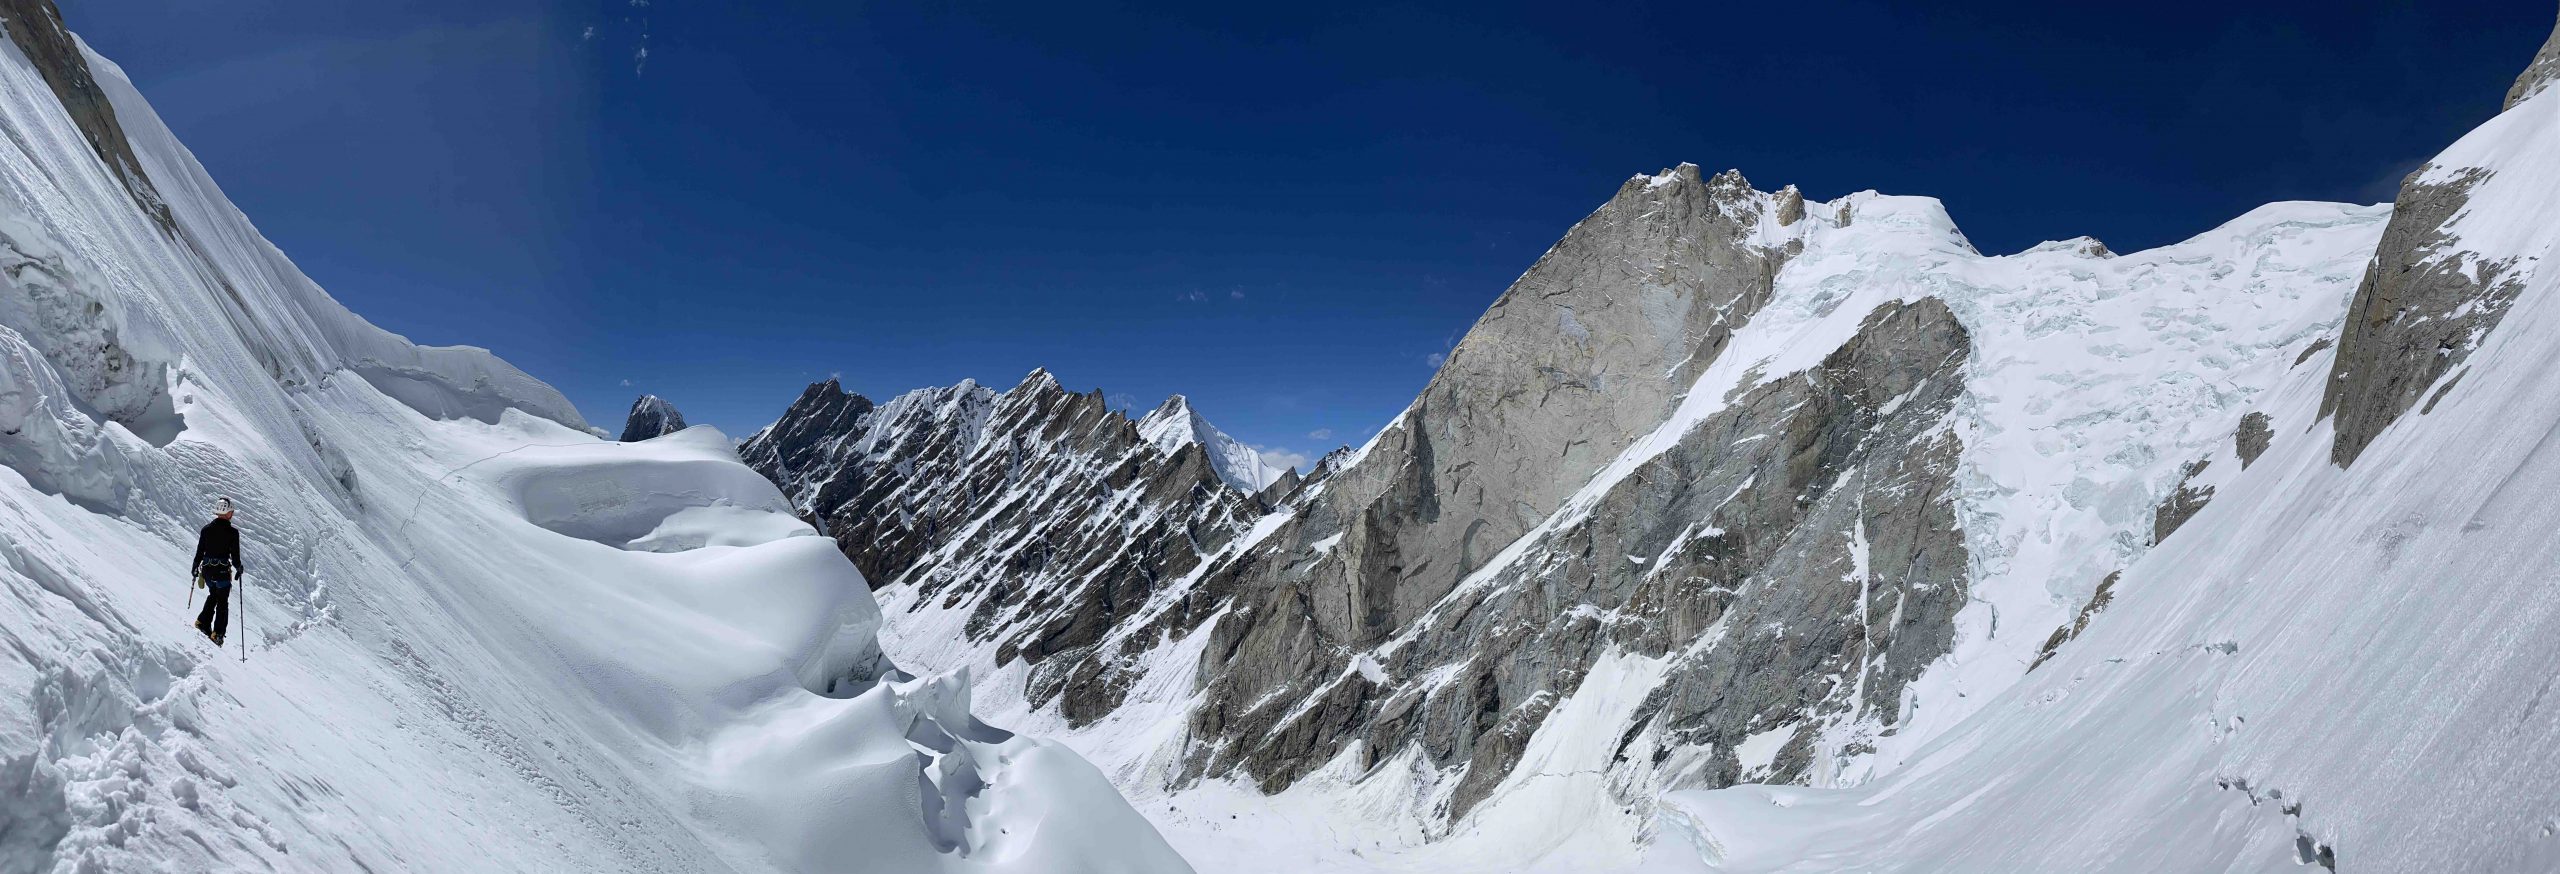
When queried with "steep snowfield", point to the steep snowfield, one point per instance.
{"points": [[2346, 667], [472, 636], [2096, 379]]}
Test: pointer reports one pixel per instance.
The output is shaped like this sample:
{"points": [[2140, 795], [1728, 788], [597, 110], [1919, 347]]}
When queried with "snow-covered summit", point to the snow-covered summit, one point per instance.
{"points": [[1175, 424]]}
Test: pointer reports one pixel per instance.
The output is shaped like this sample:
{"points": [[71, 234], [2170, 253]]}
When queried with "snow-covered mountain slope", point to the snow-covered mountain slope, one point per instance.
{"points": [[1175, 424], [472, 635], [2340, 664], [1815, 481]]}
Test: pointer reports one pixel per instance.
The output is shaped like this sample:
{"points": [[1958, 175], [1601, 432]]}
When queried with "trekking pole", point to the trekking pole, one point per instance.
{"points": [[241, 582], [192, 585]]}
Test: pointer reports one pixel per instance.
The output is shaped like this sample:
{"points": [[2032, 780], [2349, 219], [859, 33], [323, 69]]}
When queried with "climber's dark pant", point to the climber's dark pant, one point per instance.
{"points": [[217, 609]]}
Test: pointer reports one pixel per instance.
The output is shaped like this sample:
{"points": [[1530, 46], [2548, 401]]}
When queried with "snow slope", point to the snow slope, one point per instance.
{"points": [[472, 634], [2095, 380], [2346, 667]]}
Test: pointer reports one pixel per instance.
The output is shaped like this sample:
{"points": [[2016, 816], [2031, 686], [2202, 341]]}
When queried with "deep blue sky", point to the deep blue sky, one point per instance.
{"points": [[1281, 212]]}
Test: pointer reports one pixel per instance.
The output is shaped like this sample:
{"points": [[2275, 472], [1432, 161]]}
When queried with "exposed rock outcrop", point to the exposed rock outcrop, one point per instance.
{"points": [[2421, 311], [801, 450], [1587, 350], [651, 417], [2182, 504], [2098, 602], [2256, 433], [1792, 559], [35, 26], [2539, 74], [2429, 299]]}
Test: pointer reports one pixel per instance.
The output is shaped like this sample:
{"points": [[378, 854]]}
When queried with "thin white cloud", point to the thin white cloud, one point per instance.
{"points": [[1434, 359], [1320, 434], [626, 383], [1235, 295], [1282, 459]]}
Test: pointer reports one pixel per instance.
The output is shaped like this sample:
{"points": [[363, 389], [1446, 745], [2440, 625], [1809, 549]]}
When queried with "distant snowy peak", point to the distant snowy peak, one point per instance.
{"points": [[1175, 424], [651, 417]]}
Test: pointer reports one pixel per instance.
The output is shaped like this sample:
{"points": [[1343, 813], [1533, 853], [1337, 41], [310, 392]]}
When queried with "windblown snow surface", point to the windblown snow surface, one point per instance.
{"points": [[2341, 667], [473, 636]]}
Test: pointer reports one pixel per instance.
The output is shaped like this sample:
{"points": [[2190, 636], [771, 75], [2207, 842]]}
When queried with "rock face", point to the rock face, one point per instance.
{"points": [[2182, 504], [1808, 529], [36, 27], [2417, 316], [2097, 603], [1587, 351], [1043, 512], [801, 450], [2539, 74], [651, 417], [2429, 300], [2256, 433]]}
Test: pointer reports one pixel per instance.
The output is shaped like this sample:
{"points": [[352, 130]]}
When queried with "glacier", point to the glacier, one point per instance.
{"points": [[2342, 666]]}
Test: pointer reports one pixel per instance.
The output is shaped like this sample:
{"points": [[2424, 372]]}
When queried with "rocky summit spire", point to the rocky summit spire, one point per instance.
{"points": [[2540, 74], [651, 417]]}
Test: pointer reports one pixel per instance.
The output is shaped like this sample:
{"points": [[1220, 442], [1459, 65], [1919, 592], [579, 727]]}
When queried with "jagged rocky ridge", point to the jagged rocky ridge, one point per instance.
{"points": [[1043, 513], [651, 416], [1799, 483]]}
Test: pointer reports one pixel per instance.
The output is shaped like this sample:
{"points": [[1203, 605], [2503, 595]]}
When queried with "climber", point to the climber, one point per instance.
{"points": [[217, 566]]}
